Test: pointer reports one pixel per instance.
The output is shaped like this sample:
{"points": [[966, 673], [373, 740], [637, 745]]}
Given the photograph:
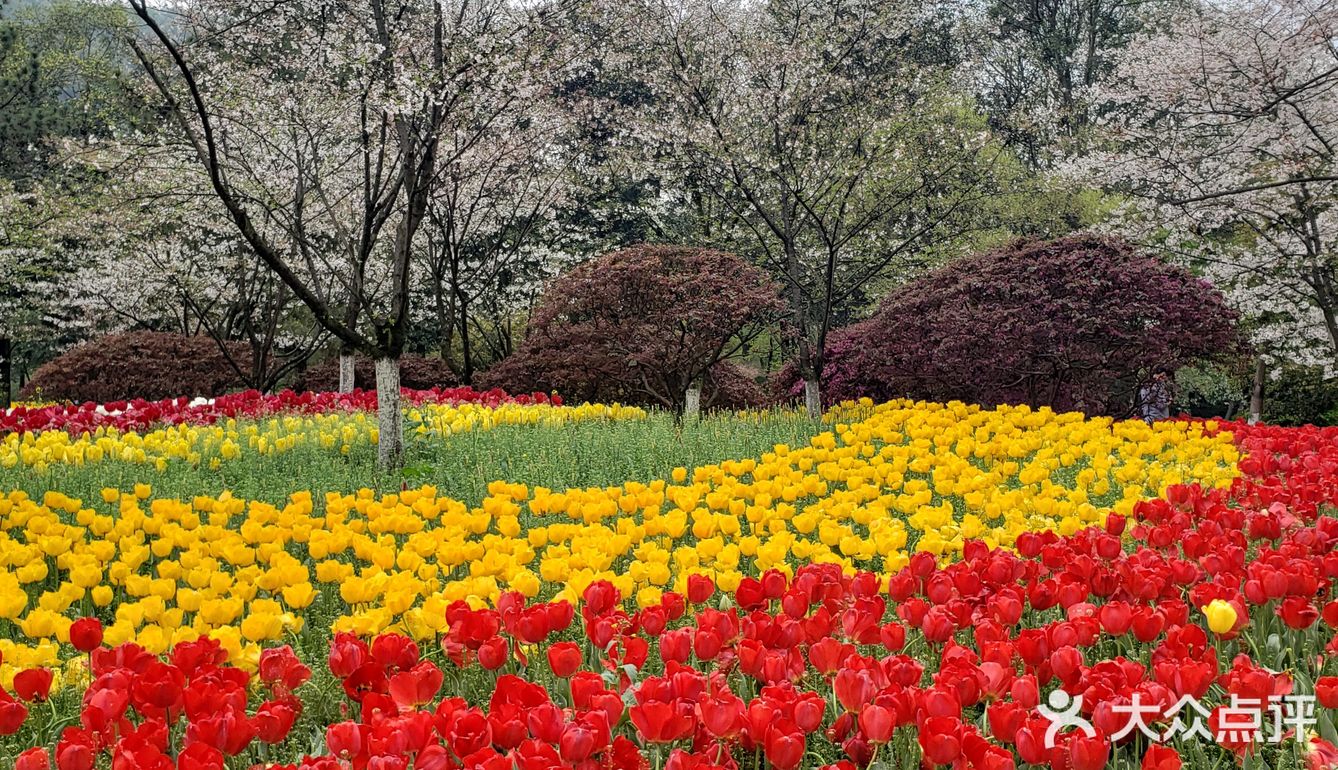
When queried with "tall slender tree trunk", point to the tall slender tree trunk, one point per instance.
{"points": [[6, 373], [1330, 318], [809, 372], [389, 421], [692, 399], [347, 370], [466, 348], [813, 398], [1257, 392]]}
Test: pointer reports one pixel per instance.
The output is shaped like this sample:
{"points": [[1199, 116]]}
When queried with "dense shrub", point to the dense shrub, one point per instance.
{"points": [[729, 385], [416, 372], [1213, 390], [1300, 395], [1074, 323], [640, 325], [148, 365]]}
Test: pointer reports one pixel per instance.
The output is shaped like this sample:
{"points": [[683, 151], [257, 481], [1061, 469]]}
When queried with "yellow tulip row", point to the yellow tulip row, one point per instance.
{"points": [[214, 445], [885, 482]]}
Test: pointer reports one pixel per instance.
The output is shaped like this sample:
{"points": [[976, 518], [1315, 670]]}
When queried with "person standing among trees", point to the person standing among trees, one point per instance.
{"points": [[1154, 398]]}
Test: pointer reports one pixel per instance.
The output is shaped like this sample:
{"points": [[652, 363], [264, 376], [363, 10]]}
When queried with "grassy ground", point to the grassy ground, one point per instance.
{"points": [[594, 453]]}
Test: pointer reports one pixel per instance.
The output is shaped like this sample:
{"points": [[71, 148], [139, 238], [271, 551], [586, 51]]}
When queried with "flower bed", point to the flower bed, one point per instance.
{"points": [[139, 415], [601, 629], [211, 437]]}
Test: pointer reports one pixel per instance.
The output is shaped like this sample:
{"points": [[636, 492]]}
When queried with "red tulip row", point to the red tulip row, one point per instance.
{"points": [[955, 665], [140, 414]]}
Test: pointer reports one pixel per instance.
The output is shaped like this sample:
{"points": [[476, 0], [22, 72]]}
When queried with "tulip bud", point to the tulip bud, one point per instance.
{"points": [[1221, 617]]}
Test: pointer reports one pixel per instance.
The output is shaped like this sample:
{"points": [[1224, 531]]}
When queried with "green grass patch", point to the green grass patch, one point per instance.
{"points": [[581, 454]]}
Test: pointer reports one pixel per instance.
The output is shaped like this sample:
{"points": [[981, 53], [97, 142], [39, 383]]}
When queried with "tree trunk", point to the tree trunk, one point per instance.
{"points": [[445, 317], [813, 398], [6, 373], [466, 351], [347, 371], [389, 422], [692, 399], [1257, 392]]}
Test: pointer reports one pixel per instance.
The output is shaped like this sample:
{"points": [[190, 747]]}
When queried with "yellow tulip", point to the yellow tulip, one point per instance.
{"points": [[1221, 616]]}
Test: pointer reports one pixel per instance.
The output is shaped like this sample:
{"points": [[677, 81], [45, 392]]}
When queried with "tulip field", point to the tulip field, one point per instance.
{"points": [[229, 584]]}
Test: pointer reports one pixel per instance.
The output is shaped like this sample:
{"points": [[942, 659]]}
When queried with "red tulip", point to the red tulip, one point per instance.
{"points": [[1115, 523], [828, 654], [370, 678], [1148, 624], [940, 739], [706, 644], [1066, 662], [660, 722], [1297, 612], [653, 620], [722, 716], [1116, 617], [854, 688], [12, 714], [1161, 758], [347, 654], [673, 604], [191, 657], [1005, 717], [808, 712], [749, 595], [1326, 691], [33, 759], [470, 733], [432, 757], [1088, 753], [417, 686], [892, 636], [545, 722], [795, 603], [274, 720], [938, 626], [1006, 608], [784, 749], [1330, 614], [493, 653], [676, 645], [1025, 691], [877, 723], [394, 652], [86, 634], [200, 756], [902, 586], [227, 729], [600, 597], [700, 588], [532, 625], [76, 750], [33, 684], [576, 744], [281, 670], [564, 659], [346, 740]]}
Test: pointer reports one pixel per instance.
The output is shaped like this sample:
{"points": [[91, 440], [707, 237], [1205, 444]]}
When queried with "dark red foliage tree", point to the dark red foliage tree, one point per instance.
{"points": [[642, 325], [148, 365], [1075, 323]]}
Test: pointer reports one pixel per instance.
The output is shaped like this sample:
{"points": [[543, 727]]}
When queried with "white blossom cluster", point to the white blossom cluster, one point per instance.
{"points": [[1225, 145]]}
